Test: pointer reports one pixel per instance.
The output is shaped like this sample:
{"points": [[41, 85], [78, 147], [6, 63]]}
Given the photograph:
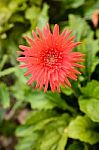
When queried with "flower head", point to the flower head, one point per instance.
{"points": [[49, 58]]}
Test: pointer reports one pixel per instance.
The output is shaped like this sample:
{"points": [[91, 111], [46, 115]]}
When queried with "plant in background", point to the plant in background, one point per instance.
{"points": [[50, 59], [29, 118]]}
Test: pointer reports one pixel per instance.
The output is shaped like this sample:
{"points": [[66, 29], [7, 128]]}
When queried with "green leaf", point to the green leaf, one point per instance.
{"points": [[24, 130], [83, 129], [5, 14], [91, 90], [40, 100], [49, 140], [56, 99], [54, 137], [28, 141], [76, 3], [37, 99], [90, 107], [89, 101], [67, 90], [2, 63], [4, 95], [32, 13], [7, 71], [48, 127], [79, 26], [38, 116], [62, 142], [91, 47]]}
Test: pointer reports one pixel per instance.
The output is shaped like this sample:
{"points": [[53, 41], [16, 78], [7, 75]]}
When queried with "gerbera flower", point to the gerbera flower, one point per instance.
{"points": [[49, 58]]}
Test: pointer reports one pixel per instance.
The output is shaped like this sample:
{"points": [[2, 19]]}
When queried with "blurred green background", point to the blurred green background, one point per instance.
{"points": [[29, 118]]}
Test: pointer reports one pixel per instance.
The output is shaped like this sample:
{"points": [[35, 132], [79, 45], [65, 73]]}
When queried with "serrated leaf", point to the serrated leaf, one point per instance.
{"points": [[90, 107], [83, 129], [40, 100], [36, 121], [49, 140], [54, 137], [91, 90], [40, 118], [49, 127]]}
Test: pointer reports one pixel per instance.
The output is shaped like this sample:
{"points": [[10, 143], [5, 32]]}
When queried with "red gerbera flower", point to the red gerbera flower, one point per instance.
{"points": [[49, 58]]}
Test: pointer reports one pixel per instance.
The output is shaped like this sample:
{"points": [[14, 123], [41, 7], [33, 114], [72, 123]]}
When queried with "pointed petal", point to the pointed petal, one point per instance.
{"points": [[63, 32], [67, 82], [46, 30], [29, 40], [25, 48], [56, 30], [34, 35], [39, 32]]}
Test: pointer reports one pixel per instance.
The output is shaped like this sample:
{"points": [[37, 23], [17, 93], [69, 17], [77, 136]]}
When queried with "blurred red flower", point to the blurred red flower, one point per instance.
{"points": [[49, 58], [95, 17]]}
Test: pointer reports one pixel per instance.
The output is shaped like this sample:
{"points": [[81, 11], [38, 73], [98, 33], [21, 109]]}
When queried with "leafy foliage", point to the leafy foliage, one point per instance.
{"points": [[4, 95], [89, 102], [84, 129], [46, 129], [29, 118]]}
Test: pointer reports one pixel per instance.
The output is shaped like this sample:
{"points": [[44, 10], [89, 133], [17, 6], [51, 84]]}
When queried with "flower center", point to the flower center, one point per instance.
{"points": [[52, 58]]}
